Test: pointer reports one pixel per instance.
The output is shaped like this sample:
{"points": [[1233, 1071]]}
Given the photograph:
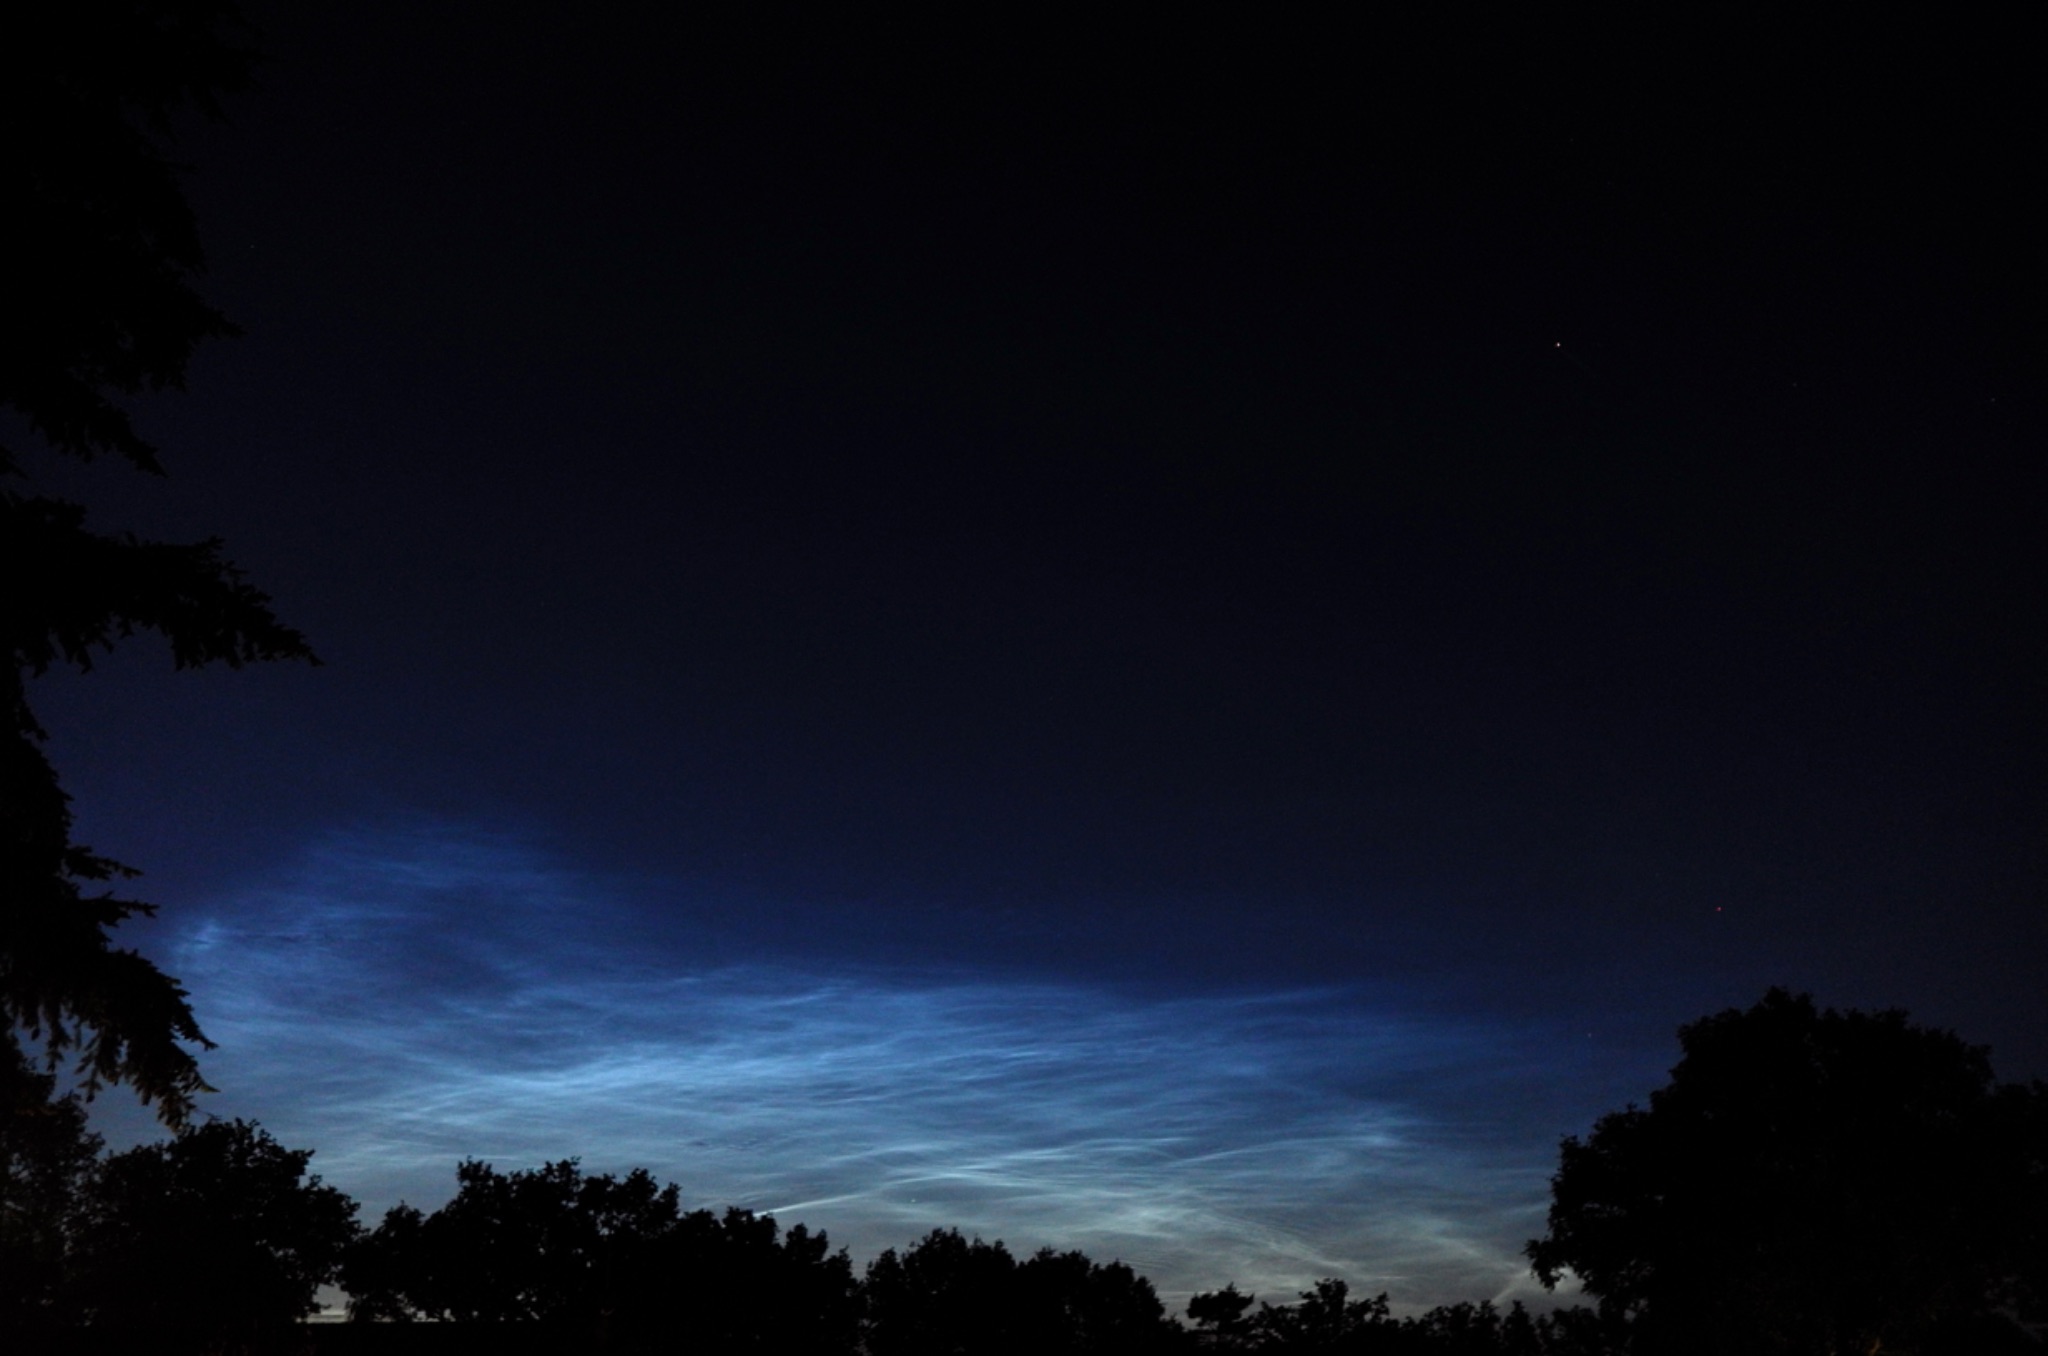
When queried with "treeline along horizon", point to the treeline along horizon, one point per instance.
{"points": [[219, 1239], [1809, 1183]]}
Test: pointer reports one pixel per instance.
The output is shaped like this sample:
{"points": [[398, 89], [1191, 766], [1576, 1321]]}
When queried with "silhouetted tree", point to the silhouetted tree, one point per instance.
{"points": [[1219, 1316], [735, 1282], [1807, 1182], [613, 1259], [387, 1270], [944, 1294], [1070, 1304], [96, 304], [45, 1154], [219, 1230], [948, 1294], [1582, 1331], [1476, 1330], [1326, 1320], [547, 1244]]}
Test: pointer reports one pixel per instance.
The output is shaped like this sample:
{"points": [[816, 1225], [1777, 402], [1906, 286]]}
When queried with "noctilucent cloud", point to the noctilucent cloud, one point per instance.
{"points": [[1191, 642], [414, 996]]}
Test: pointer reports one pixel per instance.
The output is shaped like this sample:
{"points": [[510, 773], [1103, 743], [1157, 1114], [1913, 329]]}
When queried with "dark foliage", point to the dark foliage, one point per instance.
{"points": [[941, 1294], [1481, 1330], [609, 1258], [96, 304], [550, 1245], [947, 1293], [588, 1263], [735, 1282], [1325, 1320], [1808, 1182], [1073, 1304], [1219, 1316], [219, 1230], [96, 292], [45, 1153]]}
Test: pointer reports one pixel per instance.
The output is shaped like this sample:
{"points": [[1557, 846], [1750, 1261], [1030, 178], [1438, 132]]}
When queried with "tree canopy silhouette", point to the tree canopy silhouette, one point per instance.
{"points": [[219, 1230], [743, 1285], [1326, 1319], [614, 1256], [549, 1244], [947, 1293], [46, 1152], [1809, 1182], [97, 303]]}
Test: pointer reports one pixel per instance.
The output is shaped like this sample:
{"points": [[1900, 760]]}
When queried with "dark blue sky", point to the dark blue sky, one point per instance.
{"points": [[1190, 643]]}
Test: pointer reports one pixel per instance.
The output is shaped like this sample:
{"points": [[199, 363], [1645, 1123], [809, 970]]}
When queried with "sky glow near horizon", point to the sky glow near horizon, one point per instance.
{"points": [[405, 1000]]}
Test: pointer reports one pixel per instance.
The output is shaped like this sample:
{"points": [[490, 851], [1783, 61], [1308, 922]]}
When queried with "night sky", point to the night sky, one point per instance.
{"points": [[1184, 638]]}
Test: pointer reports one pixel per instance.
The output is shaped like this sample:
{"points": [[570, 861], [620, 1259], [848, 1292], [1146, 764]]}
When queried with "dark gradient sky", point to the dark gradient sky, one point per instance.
{"points": [[1189, 642]]}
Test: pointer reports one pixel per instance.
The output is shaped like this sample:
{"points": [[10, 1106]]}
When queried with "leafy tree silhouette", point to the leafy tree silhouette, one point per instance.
{"points": [[1326, 1319], [97, 303], [610, 1259], [548, 1244], [219, 1231], [46, 1152], [1582, 1331], [1478, 1330], [1219, 1316], [1808, 1182], [948, 1294], [1072, 1304], [943, 1294], [735, 1282]]}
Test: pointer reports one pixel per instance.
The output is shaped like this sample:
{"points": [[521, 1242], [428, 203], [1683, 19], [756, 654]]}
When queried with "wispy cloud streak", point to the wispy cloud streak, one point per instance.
{"points": [[402, 1001]]}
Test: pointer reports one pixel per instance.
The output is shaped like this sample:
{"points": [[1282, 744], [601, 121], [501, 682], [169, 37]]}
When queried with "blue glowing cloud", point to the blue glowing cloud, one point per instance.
{"points": [[401, 1001]]}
